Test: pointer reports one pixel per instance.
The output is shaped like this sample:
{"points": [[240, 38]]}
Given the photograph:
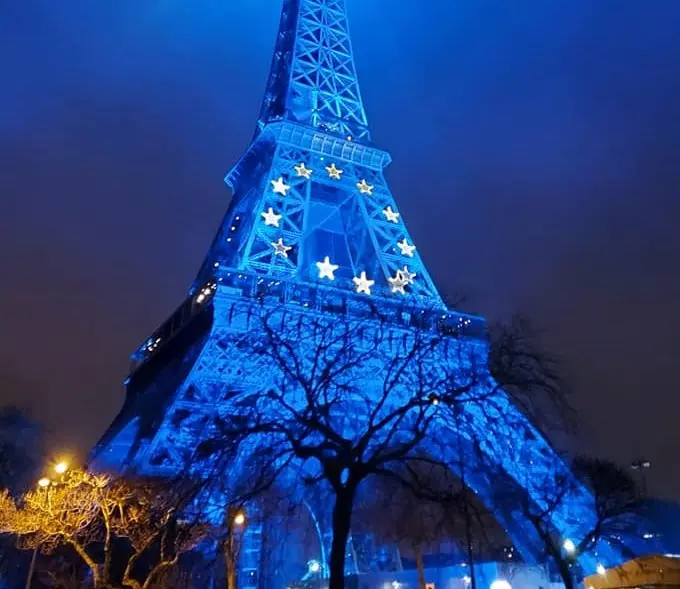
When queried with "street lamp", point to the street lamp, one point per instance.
{"points": [[240, 518], [60, 468], [642, 464]]}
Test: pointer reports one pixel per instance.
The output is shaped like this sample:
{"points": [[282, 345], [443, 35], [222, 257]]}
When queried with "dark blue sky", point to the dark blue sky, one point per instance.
{"points": [[535, 154]]}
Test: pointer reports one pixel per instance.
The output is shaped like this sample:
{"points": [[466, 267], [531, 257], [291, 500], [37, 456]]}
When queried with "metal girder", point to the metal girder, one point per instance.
{"points": [[312, 228], [313, 79]]}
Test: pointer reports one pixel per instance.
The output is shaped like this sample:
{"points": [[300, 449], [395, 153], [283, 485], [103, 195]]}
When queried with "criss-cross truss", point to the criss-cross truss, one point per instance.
{"points": [[312, 230], [313, 78]]}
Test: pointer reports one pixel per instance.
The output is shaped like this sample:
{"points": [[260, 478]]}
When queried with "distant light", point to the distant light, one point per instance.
{"points": [[61, 467], [647, 536], [569, 546], [396, 584], [44, 482], [601, 570], [314, 566], [240, 518], [467, 579], [500, 584]]}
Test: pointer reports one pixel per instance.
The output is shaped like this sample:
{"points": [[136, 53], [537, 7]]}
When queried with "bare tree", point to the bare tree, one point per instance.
{"points": [[416, 516], [614, 515], [530, 375], [92, 514], [347, 399]]}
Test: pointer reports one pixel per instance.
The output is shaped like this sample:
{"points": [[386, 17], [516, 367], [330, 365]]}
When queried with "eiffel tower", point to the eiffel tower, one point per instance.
{"points": [[313, 225]]}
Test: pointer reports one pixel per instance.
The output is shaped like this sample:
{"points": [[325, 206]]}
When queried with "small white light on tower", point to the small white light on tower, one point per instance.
{"points": [[569, 546], [601, 570], [314, 566], [280, 187], [326, 269]]}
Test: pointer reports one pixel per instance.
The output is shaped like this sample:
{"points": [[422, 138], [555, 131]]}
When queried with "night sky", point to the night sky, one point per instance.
{"points": [[535, 149]]}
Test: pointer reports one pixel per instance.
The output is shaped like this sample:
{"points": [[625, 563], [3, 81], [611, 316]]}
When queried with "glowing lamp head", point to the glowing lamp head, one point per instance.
{"points": [[240, 518], [61, 467], [314, 566], [569, 546], [500, 584], [44, 482]]}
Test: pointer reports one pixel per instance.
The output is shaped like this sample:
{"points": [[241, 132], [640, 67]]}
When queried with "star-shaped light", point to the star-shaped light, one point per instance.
{"points": [[334, 172], [280, 248], [303, 171], [326, 269], [398, 283], [406, 248], [407, 275], [363, 283], [391, 215], [280, 187], [271, 218], [365, 188]]}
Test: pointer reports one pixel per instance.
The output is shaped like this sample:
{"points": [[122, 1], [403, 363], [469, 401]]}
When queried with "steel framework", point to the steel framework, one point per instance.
{"points": [[312, 226]]}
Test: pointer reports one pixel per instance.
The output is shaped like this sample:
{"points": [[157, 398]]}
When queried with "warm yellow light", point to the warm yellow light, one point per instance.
{"points": [[61, 467], [44, 482], [240, 518]]}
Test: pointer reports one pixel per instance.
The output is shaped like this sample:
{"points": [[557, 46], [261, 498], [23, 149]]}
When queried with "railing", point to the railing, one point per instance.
{"points": [[410, 312]]}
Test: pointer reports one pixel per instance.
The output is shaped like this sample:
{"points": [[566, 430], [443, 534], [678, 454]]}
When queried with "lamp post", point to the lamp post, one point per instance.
{"points": [[642, 464], [236, 522], [44, 484]]}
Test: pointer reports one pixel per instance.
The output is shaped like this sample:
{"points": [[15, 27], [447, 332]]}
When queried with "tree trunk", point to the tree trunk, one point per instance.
{"points": [[556, 552], [342, 521], [565, 573], [420, 565], [29, 576], [468, 542]]}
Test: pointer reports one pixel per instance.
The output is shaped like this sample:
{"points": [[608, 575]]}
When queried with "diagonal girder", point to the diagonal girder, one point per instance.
{"points": [[313, 78]]}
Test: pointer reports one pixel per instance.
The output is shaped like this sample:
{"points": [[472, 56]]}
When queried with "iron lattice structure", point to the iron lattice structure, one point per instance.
{"points": [[313, 228]]}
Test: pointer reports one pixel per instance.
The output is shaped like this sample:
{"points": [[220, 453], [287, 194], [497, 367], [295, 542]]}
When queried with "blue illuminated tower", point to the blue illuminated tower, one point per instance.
{"points": [[313, 226]]}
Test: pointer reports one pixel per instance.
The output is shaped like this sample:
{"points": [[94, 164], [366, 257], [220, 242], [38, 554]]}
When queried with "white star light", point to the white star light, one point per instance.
{"points": [[363, 283], [406, 248], [271, 218], [398, 283], [391, 215], [365, 188], [280, 187], [407, 275], [333, 172], [326, 269], [303, 171], [281, 249]]}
